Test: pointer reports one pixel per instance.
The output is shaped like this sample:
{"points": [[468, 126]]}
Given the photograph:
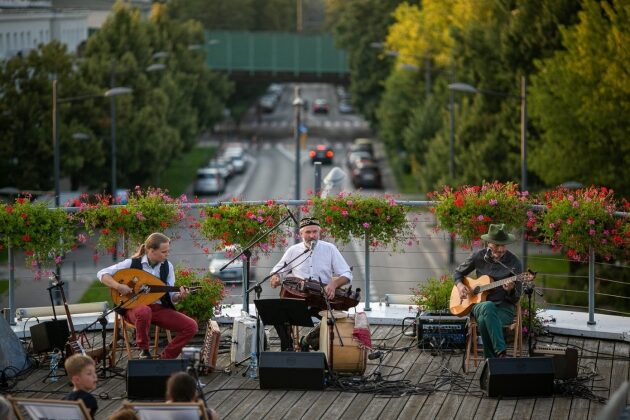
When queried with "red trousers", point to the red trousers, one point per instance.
{"points": [[143, 316]]}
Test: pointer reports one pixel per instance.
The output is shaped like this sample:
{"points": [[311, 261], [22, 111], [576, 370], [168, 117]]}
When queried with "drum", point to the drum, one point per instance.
{"points": [[349, 358]]}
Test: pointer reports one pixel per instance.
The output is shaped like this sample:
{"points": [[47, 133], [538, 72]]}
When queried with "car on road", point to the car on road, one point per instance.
{"points": [[345, 107], [322, 153], [232, 273], [366, 174], [320, 106], [209, 181]]}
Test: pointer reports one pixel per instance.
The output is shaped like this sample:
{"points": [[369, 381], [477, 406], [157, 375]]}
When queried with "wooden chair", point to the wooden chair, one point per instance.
{"points": [[37, 408], [515, 329], [120, 324], [168, 411]]}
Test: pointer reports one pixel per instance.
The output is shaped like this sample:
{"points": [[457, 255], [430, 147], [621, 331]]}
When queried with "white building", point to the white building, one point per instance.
{"points": [[24, 24]]}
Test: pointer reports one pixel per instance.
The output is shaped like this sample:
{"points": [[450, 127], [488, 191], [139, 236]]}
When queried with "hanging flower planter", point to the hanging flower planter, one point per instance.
{"points": [[468, 211]]}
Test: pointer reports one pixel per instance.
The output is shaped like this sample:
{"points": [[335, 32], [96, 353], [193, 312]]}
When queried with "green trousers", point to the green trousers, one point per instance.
{"points": [[490, 321]]}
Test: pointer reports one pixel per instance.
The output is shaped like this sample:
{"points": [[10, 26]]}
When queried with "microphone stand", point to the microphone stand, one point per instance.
{"points": [[102, 319], [246, 251], [331, 322]]}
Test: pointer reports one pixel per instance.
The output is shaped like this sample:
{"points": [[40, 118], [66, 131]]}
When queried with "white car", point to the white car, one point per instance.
{"points": [[209, 181], [232, 273]]}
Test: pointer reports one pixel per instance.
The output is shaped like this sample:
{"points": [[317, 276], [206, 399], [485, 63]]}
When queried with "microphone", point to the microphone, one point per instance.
{"points": [[488, 255], [375, 355], [313, 244], [292, 216]]}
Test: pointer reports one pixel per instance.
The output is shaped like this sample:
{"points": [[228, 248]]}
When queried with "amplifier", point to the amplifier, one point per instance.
{"points": [[444, 331], [564, 359]]}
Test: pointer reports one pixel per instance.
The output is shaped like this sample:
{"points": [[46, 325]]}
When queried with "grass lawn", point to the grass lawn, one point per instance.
{"points": [[97, 292], [4, 286], [182, 171]]}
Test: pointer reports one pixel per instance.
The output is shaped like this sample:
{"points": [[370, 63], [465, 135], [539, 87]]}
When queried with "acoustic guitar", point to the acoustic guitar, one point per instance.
{"points": [[146, 288], [479, 289]]}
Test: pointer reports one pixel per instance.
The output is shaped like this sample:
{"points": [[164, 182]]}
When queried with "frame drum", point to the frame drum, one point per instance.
{"points": [[351, 357]]}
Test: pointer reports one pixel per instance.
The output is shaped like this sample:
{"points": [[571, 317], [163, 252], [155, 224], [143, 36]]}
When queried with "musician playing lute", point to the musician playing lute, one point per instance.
{"points": [[311, 259], [151, 257], [498, 310]]}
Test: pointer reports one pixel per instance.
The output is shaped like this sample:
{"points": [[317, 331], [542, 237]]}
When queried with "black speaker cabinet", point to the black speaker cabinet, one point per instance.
{"points": [[49, 335], [517, 376], [147, 378], [291, 370]]}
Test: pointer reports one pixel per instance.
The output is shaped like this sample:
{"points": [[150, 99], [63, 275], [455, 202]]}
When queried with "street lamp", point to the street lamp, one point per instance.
{"points": [[298, 103], [112, 93], [463, 87]]}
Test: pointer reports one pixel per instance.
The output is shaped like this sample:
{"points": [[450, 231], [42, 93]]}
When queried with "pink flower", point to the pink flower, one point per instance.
{"points": [[570, 198], [591, 222], [552, 226], [58, 259], [140, 216], [366, 225], [576, 204], [349, 202], [592, 232], [480, 217], [344, 212], [82, 238], [493, 202]]}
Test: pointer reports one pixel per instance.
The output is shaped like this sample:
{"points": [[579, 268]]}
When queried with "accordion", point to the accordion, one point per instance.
{"points": [[210, 349]]}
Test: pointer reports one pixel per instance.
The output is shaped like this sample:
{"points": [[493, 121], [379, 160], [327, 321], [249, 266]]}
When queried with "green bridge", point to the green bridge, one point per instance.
{"points": [[277, 56]]}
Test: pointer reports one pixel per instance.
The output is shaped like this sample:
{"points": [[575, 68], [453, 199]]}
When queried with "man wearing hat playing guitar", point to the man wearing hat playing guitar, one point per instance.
{"points": [[322, 261], [496, 262]]}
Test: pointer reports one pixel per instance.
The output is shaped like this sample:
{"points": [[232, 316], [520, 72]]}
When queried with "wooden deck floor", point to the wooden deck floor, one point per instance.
{"points": [[437, 387]]}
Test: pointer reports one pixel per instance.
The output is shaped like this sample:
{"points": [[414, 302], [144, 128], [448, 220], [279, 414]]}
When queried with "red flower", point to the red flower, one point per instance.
{"points": [[105, 231], [26, 238], [20, 200], [24, 216], [459, 200], [9, 209]]}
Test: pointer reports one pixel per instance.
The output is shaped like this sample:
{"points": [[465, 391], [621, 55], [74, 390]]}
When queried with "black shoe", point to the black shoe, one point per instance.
{"points": [[145, 354]]}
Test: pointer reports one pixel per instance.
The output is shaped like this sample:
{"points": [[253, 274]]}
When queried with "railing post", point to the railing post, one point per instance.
{"points": [[367, 273], [591, 287], [11, 285]]}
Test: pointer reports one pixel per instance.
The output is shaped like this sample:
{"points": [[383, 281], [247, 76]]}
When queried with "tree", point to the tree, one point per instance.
{"points": [[581, 98], [356, 24]]}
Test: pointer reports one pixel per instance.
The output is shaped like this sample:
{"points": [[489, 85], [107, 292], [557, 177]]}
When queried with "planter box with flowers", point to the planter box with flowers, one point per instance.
{"points": [[44, 234], [203, 304], [434, 295], [238, 224], [380, 219], [469, 210], [581, 220], [152, 210]]}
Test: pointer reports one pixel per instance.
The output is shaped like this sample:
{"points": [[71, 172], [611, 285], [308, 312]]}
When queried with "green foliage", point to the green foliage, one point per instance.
{"points": [[469, 210], [580, 220], [434, 294], [380, 218], [181, 173], [44, 234], [4, 286], [579, 99], [152, 210], [238, 224], [538, 326], [97, 292], [202, 304]]}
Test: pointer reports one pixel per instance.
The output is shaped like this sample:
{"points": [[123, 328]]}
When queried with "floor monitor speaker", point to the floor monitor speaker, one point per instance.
{"points": [[48, 335], [292, 370], [146, 379], [517, 377]]}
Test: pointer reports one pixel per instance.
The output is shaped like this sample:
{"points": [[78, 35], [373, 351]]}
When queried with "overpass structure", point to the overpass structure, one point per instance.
{"points": [[277, 56]]}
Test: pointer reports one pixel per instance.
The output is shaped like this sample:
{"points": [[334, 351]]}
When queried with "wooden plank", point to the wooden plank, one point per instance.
{"points": [[604, 369], [298, 409], [505, 409], [275, 404], [321, 405], [486, 408]]}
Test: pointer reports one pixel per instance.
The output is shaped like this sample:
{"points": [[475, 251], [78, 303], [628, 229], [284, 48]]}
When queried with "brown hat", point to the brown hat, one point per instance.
{"points": [[497, 234], [309, 221]]}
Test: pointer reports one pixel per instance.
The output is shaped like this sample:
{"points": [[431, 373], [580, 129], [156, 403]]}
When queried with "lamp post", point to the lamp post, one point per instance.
{"points": [[297, 105], [463, 87]]}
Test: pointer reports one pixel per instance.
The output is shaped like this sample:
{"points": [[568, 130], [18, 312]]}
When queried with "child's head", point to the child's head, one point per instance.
{"points": [[181, 387], [124, 414], [82, 372]]}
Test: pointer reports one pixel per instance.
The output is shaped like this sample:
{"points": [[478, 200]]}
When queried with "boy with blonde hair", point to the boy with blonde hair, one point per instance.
{"points": [[81, 370]]}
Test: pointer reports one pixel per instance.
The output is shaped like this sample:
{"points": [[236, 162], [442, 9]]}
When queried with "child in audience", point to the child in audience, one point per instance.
{"points": [[124, 414], [181, 387], [82, 372]]}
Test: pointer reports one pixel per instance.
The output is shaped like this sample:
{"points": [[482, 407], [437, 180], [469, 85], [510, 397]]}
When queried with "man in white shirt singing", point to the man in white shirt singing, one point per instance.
{"points": [[321, 261]]}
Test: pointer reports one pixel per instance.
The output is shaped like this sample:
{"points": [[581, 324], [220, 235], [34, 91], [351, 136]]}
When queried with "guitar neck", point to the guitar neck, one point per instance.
{"points": [[163, 289], [73, 334], [498, 283]]}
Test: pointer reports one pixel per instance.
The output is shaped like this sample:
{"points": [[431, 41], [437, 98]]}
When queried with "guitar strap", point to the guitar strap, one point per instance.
{"points": [[166, 299]]}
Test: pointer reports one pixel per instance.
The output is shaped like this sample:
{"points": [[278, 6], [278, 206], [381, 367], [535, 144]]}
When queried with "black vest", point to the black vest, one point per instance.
{"points": [[166, 299]]}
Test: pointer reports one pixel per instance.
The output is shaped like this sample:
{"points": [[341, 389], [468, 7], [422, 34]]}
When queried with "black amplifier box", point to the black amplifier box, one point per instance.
{"points": [[441, 331]]}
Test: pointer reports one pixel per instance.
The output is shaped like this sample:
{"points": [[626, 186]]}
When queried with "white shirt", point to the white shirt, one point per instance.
{"points": [[324, 263], [113, 269]]}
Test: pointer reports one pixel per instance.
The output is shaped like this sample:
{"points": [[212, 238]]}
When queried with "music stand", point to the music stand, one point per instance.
{"points": [[284, 311]]}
